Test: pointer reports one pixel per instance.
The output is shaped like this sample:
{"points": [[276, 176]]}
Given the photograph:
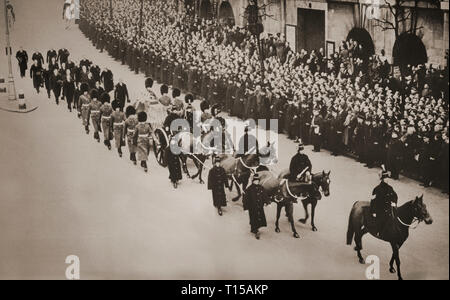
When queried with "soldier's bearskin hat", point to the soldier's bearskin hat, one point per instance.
{"points": [[142, 116], [189, 98], [84, 88], [130, 111], [105, 98], [164, 89], [94, 94], [176, 93], [204, 105], [115, 104], [148, 83], [215, 110]]}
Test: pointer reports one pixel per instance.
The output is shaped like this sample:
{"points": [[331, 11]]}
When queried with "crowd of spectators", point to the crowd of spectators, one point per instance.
{"points": [[350, 103]]}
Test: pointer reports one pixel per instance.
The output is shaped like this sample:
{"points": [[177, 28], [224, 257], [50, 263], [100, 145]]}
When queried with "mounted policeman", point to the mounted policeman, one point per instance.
{"points": [[383, 203], [300, 168]]}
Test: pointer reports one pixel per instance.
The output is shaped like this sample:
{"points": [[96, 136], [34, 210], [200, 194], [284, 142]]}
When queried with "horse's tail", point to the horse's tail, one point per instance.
{"points": [[350, 230]]}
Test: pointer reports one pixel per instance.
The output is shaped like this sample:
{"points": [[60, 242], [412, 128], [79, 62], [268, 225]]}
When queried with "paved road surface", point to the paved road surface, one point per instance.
{"points": [[63, 194]]}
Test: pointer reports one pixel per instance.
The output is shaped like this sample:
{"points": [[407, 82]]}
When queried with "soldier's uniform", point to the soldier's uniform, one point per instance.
{"points": [[118, 121], [84, 106], [94, 108], [130, 129], [142, 134], [106, 111]]}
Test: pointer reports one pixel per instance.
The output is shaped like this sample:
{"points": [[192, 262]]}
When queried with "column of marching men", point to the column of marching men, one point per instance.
{"points": [[86, 89]]}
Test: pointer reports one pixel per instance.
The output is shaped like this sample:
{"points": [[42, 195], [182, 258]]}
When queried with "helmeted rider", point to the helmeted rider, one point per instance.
{"points": [[384, 199], [300, 167]]}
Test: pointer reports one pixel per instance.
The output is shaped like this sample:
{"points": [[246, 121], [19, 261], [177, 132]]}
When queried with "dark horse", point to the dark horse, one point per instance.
{"points": [[396, 233], [285, 194]]}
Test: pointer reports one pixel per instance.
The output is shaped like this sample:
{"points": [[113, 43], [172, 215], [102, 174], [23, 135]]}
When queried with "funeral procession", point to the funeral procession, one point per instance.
{"points": [[224, 140]]}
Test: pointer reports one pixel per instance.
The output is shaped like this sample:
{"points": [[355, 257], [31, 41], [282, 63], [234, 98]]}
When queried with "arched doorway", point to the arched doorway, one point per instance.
{"points": [[206, 10], [226, 15], [363, 38], [409, 50]]}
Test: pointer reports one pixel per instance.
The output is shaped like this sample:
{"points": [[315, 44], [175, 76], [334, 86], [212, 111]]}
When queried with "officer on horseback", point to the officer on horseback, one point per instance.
{"points": [[300, 167], [383, 201]]}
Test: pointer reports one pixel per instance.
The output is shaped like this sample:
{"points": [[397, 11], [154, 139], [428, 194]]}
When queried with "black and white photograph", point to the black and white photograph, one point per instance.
{"points": [[224, 141]]}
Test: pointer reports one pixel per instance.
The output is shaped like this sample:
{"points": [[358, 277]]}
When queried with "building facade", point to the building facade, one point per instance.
{"points": [[315, 24]]}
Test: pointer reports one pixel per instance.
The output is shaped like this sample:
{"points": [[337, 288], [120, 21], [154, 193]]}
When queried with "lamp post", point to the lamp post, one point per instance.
{"points": [[11, 84]]}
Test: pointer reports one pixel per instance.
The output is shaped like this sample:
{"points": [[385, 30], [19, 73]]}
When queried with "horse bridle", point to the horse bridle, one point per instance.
{"points": [[415, 219]]}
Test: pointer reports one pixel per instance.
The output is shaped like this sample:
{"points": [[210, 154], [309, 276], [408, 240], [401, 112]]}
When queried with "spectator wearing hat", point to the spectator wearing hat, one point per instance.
{"points": [[384, 197], [316, 130], [217, 181], [94, 108], [106, 111], [394, 155], [143, 132], [428, 159], [254, 199]]}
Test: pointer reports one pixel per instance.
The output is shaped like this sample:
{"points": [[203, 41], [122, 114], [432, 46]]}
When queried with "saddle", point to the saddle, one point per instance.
{"points": [[385, 228]]}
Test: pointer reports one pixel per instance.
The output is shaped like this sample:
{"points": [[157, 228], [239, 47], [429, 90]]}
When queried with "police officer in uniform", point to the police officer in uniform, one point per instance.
{"points": [[384, 198], [300, 167]]}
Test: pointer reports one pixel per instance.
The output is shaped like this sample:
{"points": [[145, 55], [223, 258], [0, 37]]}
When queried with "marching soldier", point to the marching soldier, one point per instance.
{"points": [[94, 108], [84, 105], [106, 112], [56, 84], [130, 129], [118, 121], [142, 134], [217, 181]]}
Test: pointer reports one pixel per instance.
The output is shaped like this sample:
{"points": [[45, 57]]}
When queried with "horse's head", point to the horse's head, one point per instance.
{"points": [[268, 154], [250, 162], [420, 211], [323, 181]]}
